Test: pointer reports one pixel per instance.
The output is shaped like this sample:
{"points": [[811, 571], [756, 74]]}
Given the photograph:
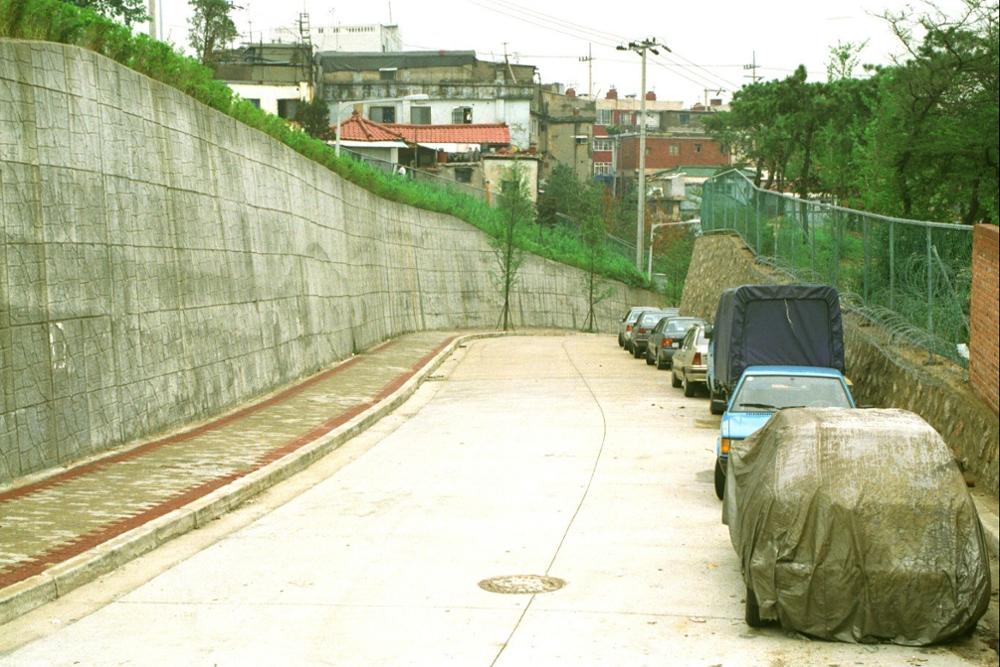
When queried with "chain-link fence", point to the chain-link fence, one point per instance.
{"points": [[910, 276]]}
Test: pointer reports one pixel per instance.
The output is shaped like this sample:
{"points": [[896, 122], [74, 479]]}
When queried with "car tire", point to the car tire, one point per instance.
{"points": [[688, 387], [649, 360], [720, 480], [636, 351], [621, 341], [715, 406], [674, 382], [753, 610], [660, 365]]}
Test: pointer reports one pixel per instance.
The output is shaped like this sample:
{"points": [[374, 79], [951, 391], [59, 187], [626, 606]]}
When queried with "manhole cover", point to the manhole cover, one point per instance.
{"points": [[522, 583]]}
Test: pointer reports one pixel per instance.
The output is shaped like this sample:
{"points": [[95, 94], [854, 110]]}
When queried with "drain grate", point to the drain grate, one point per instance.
{"points": [[522, 583]]}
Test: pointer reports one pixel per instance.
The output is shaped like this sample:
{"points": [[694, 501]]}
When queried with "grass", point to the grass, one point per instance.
{"points": [[57, 21]]}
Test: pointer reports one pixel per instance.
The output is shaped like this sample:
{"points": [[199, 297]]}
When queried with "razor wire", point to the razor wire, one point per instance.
{"points": [[911, 277]]}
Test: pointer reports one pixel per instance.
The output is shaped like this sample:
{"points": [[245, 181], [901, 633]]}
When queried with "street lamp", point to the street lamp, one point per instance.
{"points": [[648, 44], [340, 109]]}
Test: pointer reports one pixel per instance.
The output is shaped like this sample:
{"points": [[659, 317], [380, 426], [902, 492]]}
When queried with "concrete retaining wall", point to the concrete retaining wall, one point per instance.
{"points": [[160, 262], [884, 373]]}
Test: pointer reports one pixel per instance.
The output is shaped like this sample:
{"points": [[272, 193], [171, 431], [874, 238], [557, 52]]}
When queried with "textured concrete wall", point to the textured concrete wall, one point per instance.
{"points": [[984, 315], [884, 373], [160, 262]]}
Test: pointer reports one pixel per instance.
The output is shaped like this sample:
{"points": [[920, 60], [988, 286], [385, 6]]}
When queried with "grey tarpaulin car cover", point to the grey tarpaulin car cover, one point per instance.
{"points": [[857, 525]]}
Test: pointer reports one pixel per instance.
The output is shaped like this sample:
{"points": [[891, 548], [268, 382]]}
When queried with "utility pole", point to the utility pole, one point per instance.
{"points": [[753, 69], [589, 59], [648, 44], [152, 19]]}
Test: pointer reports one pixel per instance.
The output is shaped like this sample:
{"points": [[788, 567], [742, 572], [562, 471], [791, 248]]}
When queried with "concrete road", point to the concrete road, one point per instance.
{"points": [[557, 456]]}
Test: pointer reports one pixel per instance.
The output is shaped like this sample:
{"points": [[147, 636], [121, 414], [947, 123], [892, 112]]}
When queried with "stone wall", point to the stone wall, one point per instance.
{"points": [[160, 262], [984, 318], [884, 373]]}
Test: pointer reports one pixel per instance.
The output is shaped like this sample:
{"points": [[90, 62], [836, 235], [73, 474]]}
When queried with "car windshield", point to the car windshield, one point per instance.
{"points": [[678, 328], [774, 392], [635, 316], [649, 319]]}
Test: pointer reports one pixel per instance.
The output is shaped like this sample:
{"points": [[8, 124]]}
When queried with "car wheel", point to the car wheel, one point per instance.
{"points": [[649, 360], [621, 341], [636, 351], [715, 406], [660, 364], [674, 382], [688, 387], [753, 610], [720, 480]]}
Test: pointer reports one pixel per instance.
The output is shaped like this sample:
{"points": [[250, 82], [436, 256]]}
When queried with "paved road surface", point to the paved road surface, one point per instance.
{"points": [[548, 455]]}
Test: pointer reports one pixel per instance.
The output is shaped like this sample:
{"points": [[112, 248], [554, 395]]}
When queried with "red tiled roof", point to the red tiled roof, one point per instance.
{"points": [[359, 128], [483, 133]]}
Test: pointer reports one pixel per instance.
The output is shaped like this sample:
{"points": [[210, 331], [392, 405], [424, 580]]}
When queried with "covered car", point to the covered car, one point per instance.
{"points": [[856, 525]]}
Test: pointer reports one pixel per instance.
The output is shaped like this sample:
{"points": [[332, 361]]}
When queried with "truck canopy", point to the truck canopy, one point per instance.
{"points": [[771, 325]]}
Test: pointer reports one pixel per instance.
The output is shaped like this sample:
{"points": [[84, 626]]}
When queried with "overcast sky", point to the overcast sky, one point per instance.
{"points": [[711, 42]]}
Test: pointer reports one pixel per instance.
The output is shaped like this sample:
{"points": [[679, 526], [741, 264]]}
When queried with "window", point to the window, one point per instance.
{"points": [[461, 115], [673, 149], [685, 118], [697, 148], [581, 139], [254, 101], [602, 145], [463, 175], [387, 73], [604, 116], [382, 114], [420, 115], [288, 108], [602, 168]]}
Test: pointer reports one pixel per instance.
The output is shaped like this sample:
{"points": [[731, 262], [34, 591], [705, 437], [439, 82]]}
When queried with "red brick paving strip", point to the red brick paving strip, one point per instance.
{"points": [[63, 552]]}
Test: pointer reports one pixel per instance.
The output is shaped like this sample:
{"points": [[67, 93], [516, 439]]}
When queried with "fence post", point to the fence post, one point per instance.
{"points": [[811, 221], [756, 218], [930, 285], [865, 236], [892, 265]]}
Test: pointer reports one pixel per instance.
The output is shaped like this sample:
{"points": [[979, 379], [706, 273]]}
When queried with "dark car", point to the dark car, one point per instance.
{"points": [[640, 330], [666, 338], [626, 322]]}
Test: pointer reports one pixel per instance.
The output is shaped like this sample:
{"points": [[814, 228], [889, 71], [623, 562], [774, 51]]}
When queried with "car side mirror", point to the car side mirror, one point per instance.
{"points": [[708, 332]]}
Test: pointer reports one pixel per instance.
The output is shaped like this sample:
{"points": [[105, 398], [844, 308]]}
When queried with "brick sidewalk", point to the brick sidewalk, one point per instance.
{"points": [[47, 522]]}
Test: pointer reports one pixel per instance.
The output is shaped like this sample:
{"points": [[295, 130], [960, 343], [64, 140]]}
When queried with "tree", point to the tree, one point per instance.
{"points": [[844, 59], [126, 11], [211, 28], [314, 117], [515, 209], [596, 218]]}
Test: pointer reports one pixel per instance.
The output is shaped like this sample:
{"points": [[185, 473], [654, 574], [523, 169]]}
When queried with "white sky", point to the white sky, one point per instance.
{"points": [[711, 41]]}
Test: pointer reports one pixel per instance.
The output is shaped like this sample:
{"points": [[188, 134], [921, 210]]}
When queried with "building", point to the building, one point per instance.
{"points": [[456, 87], [622, 114], [275, 77], [564, 126]]}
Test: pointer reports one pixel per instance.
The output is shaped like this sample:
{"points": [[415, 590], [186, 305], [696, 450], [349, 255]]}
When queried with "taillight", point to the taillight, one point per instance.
{"points": [[628, 327], [641, 330], [697, 359], [668, 342]]}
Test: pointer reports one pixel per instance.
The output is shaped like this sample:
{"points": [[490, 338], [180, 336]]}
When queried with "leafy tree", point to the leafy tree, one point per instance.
{"points": [[314, 117], [211, 28], [516, 210], [561, 196], [126, 11]]}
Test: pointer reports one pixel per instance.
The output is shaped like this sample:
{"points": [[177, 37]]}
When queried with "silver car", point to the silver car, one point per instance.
{"points": [[690, 361], [666, 338], [640, 330], [626, 322]]}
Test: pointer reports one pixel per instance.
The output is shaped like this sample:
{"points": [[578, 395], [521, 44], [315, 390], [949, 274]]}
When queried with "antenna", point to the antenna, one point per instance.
{"points": [[389, 3]]}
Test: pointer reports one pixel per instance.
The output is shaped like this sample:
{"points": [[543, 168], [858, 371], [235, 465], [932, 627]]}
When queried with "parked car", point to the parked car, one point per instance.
{"points": [[627, 319], [629, 326], [665, 339], [689, 363], [764, 390], [857, 526], [640, 331]]}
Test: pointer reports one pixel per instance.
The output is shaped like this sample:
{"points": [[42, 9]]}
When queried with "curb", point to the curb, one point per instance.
{"points": [[24, 596], [990, 523]]}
